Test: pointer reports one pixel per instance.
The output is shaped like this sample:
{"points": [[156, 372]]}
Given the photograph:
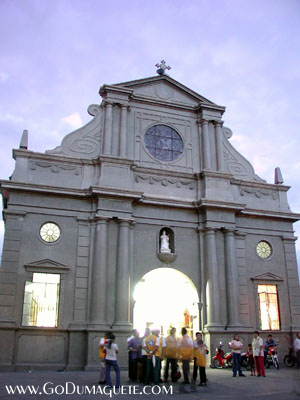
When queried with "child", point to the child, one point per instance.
{"points": [[251, 359], [111, 360]]}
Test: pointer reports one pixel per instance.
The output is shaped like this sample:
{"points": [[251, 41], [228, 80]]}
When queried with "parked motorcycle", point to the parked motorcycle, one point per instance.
{"points": [[290, 359], [245, 361], [272, 357], [221, 359]]}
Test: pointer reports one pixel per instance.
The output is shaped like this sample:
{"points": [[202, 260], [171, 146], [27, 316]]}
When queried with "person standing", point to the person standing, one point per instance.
{"points": [[171, 351], [297, 349], [144, 354], [161, 354], [251, 359], [236, 346], [186, 354], [200, 354], [258, 353], [195, 344], [112, 350], [153, 362], [102, 342], [130, 366], [134, 346]]}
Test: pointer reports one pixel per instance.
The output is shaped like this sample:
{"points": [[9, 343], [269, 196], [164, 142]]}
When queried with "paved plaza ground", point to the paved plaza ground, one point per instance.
{"points": [[280, 385]]}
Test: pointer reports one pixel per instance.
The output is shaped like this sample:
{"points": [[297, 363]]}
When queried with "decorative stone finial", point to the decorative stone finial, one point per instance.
{"points": [[162, 67], [24, 140], [278, 179]]}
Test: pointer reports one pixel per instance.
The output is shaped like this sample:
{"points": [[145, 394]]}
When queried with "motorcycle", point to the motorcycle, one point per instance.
{"points": [[290, 359], [245, 361], [272, 357], [221, 359]]}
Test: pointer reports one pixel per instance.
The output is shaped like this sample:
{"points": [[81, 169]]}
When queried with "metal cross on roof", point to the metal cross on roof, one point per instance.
{"points": [[162, 67]]}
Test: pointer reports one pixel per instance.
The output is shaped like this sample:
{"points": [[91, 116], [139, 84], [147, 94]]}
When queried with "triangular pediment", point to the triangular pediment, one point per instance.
{"points": [[165, 88], [268, 276], [47, 263]]}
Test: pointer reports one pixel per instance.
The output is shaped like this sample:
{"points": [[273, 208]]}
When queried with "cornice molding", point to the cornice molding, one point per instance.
{"points": [[260, 185], [46, 264], [270, 214], [104, 89], [110, 192], [268, 276], [51, 157], [29, 187], [217, 204], [162, 201], [164, 172]]}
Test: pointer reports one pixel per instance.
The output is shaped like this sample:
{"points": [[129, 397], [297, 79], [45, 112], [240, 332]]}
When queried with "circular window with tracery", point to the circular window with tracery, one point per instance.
{"points": [[163, 143], [264, 249], [50, 232]]}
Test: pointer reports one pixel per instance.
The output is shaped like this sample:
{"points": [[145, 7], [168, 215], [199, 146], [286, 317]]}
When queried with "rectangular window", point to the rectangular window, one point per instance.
{"points": [[268, 308], [41, 300]]}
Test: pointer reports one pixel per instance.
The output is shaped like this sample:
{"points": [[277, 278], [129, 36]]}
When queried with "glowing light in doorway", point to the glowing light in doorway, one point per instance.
{"points": [[162, 298]]}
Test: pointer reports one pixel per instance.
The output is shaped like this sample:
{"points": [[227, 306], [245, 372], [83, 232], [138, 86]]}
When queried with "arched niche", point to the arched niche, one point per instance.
{"points": [[170, 233]]}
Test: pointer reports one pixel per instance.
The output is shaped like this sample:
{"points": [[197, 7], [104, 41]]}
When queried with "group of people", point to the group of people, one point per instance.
{"points": [[147, 353], [257, 352]]}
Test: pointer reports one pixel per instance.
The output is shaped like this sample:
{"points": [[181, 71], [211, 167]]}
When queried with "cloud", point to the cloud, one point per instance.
{"points": [[11, 118], [73, 120], [3, 77]]}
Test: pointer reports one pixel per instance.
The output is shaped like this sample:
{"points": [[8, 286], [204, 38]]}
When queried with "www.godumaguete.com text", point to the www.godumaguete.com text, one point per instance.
{"points": [[70, 388]]}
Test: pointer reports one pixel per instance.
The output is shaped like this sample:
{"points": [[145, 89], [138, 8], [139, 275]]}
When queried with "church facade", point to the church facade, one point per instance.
{"points": [[151, 181]]}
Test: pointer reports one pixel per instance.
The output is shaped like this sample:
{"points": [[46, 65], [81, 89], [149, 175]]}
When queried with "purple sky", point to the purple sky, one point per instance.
{"points": [[243, 54]]}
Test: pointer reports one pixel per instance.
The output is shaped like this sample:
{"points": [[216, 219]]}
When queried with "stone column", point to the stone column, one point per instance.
{"points": [[219, 145], [99, 275], [122, 311], [108, 128], [202, 298], [206, 153], [123, 131], [212, 276], [232, 284]]}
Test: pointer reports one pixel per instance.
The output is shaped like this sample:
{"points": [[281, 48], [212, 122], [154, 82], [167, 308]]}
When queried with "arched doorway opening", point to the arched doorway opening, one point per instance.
{"points": [[164, 298]]}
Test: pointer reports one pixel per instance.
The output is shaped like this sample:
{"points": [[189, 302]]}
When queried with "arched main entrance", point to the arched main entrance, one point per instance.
{"points": [[166, 297]]}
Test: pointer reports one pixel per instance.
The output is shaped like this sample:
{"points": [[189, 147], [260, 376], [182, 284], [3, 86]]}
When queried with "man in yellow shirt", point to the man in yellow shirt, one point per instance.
{"points": [[186, 354], [171, 354], [102, 342], [153, 361]]}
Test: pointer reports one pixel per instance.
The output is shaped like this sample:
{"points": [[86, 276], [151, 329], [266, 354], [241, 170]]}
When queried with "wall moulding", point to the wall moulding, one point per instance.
{"points": [[165, 181], [259, 193], [55, 168]]}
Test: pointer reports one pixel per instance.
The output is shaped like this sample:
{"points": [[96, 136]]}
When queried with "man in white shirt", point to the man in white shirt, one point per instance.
{"points": [[297, 349], [258, 354]]}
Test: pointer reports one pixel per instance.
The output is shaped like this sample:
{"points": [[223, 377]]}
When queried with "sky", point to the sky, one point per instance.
{"points": [[243, 54]]}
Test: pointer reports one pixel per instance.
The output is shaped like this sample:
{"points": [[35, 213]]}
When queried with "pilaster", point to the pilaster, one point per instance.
{"points": [[122, 311], [108, 128], [206, 151], [97, 316], [123, 131], [219, 145], [212, 286], [232, 287]]}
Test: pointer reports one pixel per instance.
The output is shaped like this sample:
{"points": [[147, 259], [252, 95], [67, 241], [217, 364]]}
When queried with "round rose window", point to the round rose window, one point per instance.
{"points": [[163, 143]]}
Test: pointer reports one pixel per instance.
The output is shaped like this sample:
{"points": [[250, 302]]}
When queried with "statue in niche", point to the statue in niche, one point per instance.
{"points": [[164, 243]]}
